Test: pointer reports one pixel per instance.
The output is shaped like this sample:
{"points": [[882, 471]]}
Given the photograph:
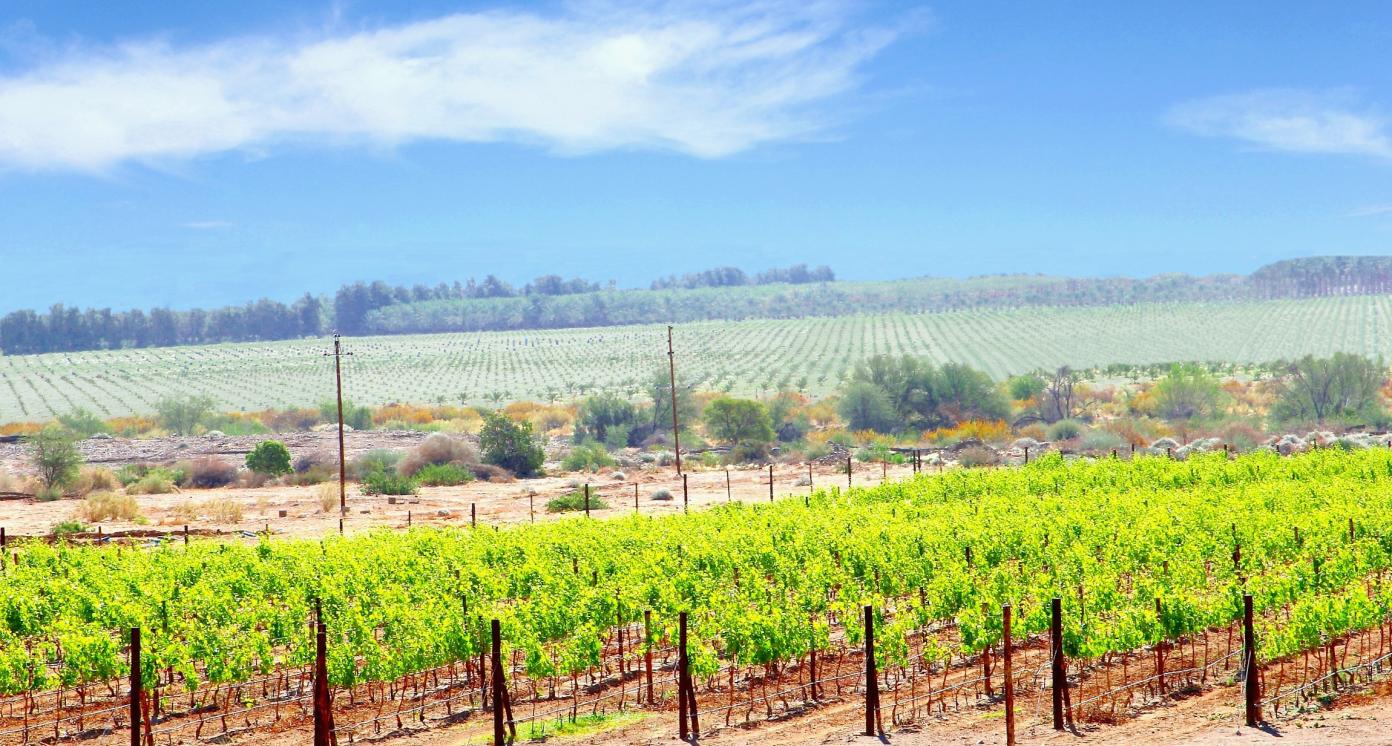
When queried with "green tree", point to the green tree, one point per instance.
{"points": [[358, 418], [606, 418], [1187, 392], [82, 423], [511, 444], [270, 458], [738, 421], [1342, 388], [660, 391], [181, 415], [55, 457], [1024, 388], [864, 406], [923, 396]]}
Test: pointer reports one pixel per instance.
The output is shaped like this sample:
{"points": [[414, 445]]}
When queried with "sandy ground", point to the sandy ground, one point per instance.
{"points": [[495, 503]]}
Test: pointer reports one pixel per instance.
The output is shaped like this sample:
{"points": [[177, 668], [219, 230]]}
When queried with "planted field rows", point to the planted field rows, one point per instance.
{"points": [[1150, 554], [744, 357]]}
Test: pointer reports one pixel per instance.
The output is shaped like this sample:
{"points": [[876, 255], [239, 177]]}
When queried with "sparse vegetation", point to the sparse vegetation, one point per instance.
{"points": [[101, 507], [269, 458], [574, 501], [443, 475]]}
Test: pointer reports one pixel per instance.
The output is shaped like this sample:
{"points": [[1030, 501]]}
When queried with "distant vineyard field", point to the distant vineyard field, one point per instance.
{"points": [[743, 357]]}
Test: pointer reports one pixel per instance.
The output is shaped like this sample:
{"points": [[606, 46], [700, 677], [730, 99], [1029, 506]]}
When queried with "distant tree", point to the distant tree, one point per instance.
{"points": [[864, 406], [269, 458], [1187, 392], [54, 454], [1059, 395], [511, 444], [964, 393], [606, 418], [1024, 388], [1342, 388], [181, 415], [923, 396], [738, 421], [660, 393], [82, 423]]}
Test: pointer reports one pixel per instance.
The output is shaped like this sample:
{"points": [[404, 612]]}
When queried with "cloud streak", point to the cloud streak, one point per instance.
{"points": [[1289, 120], [706, 80]]}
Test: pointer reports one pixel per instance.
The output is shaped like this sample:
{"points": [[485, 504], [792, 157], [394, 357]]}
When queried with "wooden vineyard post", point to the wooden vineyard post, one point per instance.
{"points": [[503, 727], [686, 497], [986, 656], [323, 706], [884, 470], [686, 691], [135, 686], [647, 651], [635, 497], [872, 678], [728, 497], [587, 499], [809, 478], [340, 527], [770, 482], [848, 473], [1059, 679], [186, 534], [1251, 684], [672, 372], [1160, 650], [473, 515], [1026, 455], [531, 505], [1009, 676]]}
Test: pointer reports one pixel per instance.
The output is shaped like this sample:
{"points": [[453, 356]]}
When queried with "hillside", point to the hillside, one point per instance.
{"points": [[721, 294], [745, 357]]}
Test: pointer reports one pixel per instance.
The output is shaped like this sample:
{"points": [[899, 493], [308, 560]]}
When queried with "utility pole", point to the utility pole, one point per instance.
{"points": [[337, 355], [672, 372]]}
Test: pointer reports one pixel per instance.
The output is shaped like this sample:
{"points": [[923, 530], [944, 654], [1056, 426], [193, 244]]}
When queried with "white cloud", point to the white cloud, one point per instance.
{"points": [[706, 80], [1290, 120], [1371, 211]]}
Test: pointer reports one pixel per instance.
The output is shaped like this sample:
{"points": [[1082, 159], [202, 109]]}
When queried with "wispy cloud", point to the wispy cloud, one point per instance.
{"points": [[1290, 120], [1371, 211], [207, 225], [708, 80]]}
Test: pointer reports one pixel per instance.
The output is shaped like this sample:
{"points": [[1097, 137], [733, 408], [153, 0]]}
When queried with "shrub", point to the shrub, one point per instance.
{"points": [[328, 498], [491, 473], [436, 450], [511, 445], [317, 459], [96, 479], [55, 457], [48, 493], [574, 501], [208, 473], [661, 494], [589, 457], [443, 475], [314, 475], [82, 423], [63, 528], [1101, 440], [376, 460], [388, 483], [100, 507], [181, 416], [977, 456], [269, 457], [1065, 430], [986, 431], [156, 482], [225, 510]]}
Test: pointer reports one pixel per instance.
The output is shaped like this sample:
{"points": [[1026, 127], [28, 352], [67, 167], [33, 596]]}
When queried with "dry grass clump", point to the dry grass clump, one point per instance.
{"points": [[95, 479], [328, 497], [154, 483], [99, 507], [221, 510]]}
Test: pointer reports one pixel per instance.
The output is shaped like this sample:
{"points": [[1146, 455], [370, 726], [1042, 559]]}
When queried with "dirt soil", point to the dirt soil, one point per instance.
{"points": [[495, 503]]}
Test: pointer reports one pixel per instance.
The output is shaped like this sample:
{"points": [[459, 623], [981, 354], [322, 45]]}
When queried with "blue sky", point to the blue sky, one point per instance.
{"points": [[210, 153]]}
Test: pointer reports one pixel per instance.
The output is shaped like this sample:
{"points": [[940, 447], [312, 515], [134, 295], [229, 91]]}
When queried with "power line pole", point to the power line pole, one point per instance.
{"points": [[672, 371], [337, 355]]}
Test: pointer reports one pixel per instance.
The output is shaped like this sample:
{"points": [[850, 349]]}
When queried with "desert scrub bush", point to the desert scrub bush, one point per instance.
{"points": [[1101, 440], [53, 452], [63, 528], [100, 507], [269, 457], [313, 475], [209, 473], [376, 460], [443, 475], [48, 493], [512, 445], [95, 479], [437, 450], [222, 510], [977, 456], [155, 482], [388, 483], [661, 495], [588, 457], [491, 473], [1065, 430], [574, 501]]}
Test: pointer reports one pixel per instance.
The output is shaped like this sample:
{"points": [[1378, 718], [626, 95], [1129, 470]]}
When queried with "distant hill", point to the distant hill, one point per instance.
{"points": [[722, 293]]}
